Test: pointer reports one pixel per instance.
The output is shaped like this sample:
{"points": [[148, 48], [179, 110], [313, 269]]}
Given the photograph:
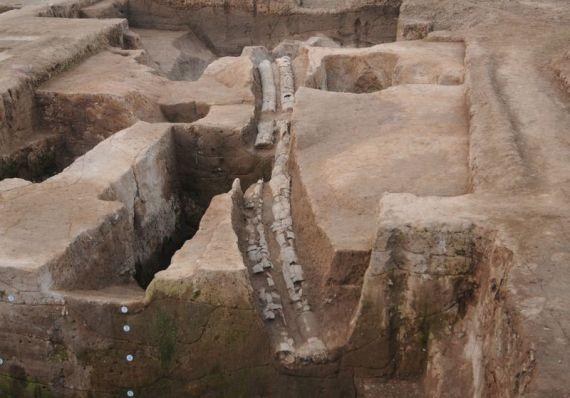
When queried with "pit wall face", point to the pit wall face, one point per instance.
{"points": [[77, 118], [337, 273], [226, 30], [92, 224], [139, 189], [197, 335], [184, 342], [19, 113], [180, 348], [210, 158], [434, 308], [145, 183]]}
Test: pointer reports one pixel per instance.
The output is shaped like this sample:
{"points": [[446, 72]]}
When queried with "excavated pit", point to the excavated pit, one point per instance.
{"points": [[265, 199], [194, 169], [357, 75], [228, 31], [180, 48]]}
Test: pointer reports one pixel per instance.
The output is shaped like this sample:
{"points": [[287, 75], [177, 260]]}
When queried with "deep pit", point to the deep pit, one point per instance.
{"points": [[278, 198]]}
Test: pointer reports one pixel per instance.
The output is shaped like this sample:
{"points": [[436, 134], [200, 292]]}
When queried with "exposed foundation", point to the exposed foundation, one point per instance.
{"points": [[280, 198]]}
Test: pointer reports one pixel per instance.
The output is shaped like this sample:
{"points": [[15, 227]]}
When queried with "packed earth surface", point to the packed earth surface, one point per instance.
{"points": [[285, 198]]}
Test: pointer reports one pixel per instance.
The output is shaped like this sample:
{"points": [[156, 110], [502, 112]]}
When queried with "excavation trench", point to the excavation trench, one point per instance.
{"points": [[227, 32], [183, 55], [201, 171], [408, 311], [75, 111], [386, 312], [187, 221], [181, 44], [333, 307]]}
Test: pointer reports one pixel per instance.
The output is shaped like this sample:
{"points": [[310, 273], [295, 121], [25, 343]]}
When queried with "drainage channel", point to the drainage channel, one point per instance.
{"points": [[277, 273]]}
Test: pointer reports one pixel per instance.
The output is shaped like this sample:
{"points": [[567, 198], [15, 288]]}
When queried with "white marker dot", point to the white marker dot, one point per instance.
{"points": [[124, 309], [130, 393], [126, 328], [11, 298], [1, 361], [130, 358]]}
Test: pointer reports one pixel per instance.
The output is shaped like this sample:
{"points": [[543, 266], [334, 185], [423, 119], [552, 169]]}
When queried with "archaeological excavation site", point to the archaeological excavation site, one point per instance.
{"points": [[285, 198]]}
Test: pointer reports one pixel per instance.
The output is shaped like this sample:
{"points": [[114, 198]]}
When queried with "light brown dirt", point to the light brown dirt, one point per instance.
{"points": [[422, 243]]}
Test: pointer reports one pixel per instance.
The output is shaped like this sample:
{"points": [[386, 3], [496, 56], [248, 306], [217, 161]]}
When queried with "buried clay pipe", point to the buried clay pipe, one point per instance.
{"points": [[267, 86], [265, 130], [313, 349], [286, 83]]}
